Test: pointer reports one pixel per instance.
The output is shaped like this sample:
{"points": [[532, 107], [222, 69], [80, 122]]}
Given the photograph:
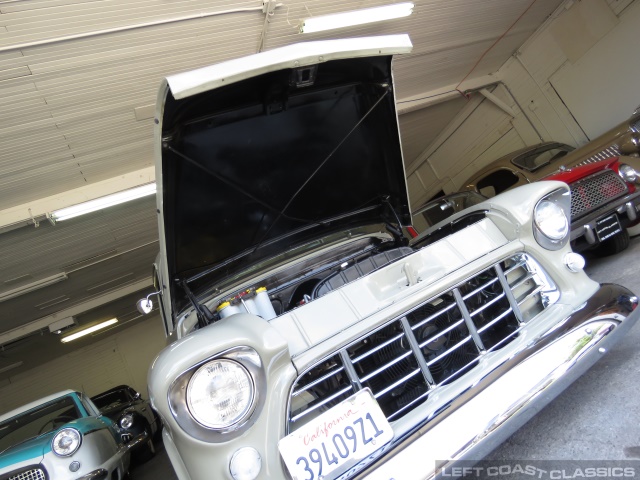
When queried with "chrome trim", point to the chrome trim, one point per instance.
{"points": [[98, 474], [176, 396], [562, 198]]}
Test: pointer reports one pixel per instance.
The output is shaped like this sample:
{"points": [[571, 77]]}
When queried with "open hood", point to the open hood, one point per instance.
{"points": [[263, 153]]}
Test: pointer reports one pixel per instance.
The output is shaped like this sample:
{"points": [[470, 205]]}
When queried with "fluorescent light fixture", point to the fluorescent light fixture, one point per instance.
{"points": [[89, 330], [61, 324], [104, 202], [11, 367], [356, 17], [44, 282]]}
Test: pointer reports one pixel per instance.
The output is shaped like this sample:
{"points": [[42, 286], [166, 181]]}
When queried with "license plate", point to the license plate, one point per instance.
{"points": [[338, 439], [607, 227]]}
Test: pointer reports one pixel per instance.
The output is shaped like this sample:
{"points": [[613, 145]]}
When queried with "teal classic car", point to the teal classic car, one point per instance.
{"points": [[62, 436]]}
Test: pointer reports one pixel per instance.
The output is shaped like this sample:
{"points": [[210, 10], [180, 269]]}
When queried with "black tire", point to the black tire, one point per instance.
{"points": [[613, 245]]}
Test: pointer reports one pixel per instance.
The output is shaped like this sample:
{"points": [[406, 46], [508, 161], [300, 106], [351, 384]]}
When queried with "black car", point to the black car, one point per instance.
{"points": [[133, 414]]}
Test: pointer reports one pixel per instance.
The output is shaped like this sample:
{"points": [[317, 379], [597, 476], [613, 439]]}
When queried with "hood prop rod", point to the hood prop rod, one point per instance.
{"points": [[322, 164], [226, 181], [396, 231], [205, 317]]}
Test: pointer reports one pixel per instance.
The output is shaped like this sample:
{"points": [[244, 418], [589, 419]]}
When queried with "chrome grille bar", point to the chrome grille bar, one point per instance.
{"points": [[509, 293], [320, 404], [415, 348], [445, 331], [379, 347], [399, 382], [386, 366], [495, 320], [469, 321], [447, 352], [316, 382], [487, 305], [435, 315], [529, 295]]}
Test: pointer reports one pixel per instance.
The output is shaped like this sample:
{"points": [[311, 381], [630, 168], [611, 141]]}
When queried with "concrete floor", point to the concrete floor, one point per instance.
{"points": [[596, 418]]}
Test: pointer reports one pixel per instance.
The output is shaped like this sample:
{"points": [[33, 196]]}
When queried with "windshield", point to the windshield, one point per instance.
{"points": [[442, 208], [38, 421], [111, 399], [540, 157]]}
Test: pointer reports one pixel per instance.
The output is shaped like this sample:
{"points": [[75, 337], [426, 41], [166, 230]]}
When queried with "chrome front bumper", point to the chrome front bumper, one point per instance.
{"points": [[493, 409]]}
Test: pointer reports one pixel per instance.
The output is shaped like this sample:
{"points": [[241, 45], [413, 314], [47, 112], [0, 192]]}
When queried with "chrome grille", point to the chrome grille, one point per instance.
{"points": [[32, 474], [594, 191], [635, 126], [404, 361]]}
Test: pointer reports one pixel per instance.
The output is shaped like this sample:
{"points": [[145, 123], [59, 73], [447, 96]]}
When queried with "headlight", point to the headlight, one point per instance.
{"points": [[126, 421], [628, 173], [66, 442], [550, 219], [220, 393]]}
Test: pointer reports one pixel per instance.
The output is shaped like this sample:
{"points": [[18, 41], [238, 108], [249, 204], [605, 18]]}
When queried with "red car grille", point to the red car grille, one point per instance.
{"points": [[596, 190]]}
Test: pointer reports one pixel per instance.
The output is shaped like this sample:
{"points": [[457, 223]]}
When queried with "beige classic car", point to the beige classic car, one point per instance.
{"points": [[603, 175], [307, 339]]}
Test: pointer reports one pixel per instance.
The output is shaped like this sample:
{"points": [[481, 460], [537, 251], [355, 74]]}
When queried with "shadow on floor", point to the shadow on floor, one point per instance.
{"points": [[157, 468]]}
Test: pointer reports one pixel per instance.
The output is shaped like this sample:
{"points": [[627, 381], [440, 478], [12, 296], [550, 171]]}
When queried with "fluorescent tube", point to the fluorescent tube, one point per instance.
{"points": [[45, 282], [89, 330], [11, 367], [104, 202], [356, 17]]}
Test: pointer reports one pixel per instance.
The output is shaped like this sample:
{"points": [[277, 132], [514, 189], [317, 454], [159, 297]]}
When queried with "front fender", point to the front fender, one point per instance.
{"points": [[210, 458]]}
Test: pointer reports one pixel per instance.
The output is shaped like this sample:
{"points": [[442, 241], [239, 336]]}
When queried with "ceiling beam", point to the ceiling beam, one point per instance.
{"points": [[443, 94], [44, 322], [36, 210]]}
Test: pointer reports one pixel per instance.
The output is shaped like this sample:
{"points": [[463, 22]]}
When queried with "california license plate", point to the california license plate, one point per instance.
{"points": [[607, 227], [338, 439]]}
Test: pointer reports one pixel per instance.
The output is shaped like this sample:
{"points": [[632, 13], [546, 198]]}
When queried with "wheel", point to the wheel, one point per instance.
{"points": [[613, 245]]}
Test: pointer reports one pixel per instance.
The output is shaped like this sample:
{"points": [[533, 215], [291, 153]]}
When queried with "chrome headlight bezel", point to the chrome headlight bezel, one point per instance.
{"points": [[551, 219], [628, 173], [250, 361], [73, 435], [126, 421]]}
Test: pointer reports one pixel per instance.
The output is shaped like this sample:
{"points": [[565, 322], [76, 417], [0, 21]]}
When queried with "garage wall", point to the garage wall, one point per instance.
{"points": [[600, 86], [533, 85], [123, 358]]}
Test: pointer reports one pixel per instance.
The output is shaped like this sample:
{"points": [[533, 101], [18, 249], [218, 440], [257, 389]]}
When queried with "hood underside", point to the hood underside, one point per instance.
{"points": [[276, 159]]}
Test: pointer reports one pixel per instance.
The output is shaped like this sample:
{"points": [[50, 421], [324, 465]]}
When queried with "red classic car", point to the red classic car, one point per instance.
{"points": [[604, 193]]}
